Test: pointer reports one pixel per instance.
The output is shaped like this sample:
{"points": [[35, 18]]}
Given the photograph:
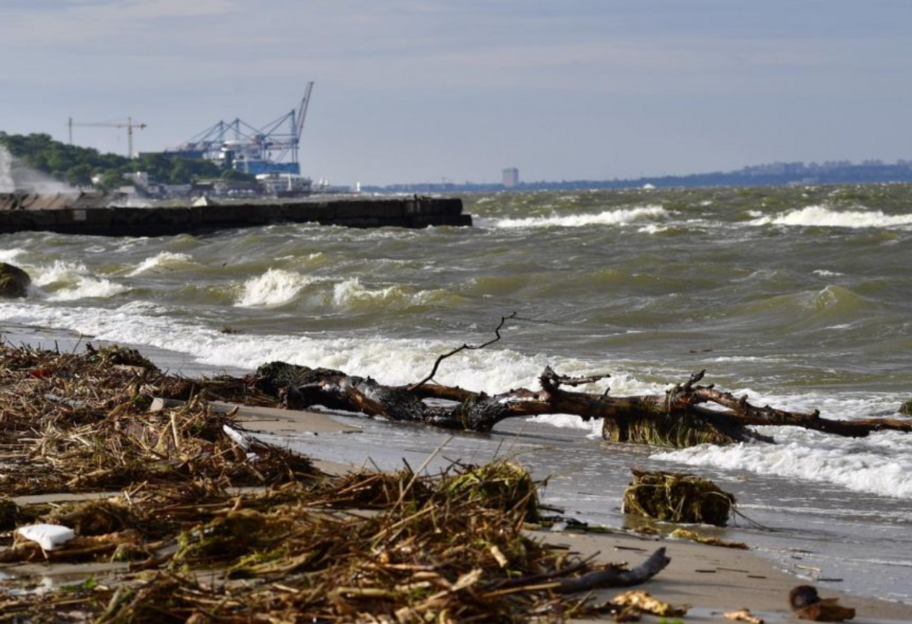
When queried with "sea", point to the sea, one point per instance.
{"points": [[799, 297]]}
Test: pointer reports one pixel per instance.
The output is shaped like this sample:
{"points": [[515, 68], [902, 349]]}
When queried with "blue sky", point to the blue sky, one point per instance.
{"points": [[420, 90]]}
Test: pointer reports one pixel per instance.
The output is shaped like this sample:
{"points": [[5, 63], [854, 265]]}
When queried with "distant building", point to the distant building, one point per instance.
{"points": [[511, 177]]}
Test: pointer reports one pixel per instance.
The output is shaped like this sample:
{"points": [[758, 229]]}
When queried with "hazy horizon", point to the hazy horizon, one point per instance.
{"points": [[419, 91]]}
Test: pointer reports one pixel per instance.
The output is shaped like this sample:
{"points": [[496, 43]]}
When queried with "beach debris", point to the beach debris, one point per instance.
{"points": [[678, 418], [703, 539], [808, 605], [48, 536], [9, 514], [906, 408], [677, 497], [398, 546], [14, 282], [115, 355], [643, 602], [743, 615]]}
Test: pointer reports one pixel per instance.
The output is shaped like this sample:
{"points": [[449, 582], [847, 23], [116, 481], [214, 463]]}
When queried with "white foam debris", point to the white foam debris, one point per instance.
{"points": [[823, 216], [274, 288], [48, 536], [621, 216]]}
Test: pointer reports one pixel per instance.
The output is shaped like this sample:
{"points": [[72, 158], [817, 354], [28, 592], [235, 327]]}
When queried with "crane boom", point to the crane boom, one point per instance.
{"points": [[302, 110], [129, 125]]}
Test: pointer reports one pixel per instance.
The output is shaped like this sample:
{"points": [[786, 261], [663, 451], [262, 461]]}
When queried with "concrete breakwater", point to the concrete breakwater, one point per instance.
{"points": [[90, 213]]}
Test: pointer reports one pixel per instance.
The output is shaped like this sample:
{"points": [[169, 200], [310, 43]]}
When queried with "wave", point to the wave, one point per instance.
{"points": [[621, 216], [390, 360], [274, 288], [352, 293], [878, 466], [8, 255], [160, 260], [69, 281], [821, 216]]}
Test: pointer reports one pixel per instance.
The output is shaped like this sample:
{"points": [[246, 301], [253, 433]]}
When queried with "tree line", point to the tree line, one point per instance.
{"points": [[77, 165]]}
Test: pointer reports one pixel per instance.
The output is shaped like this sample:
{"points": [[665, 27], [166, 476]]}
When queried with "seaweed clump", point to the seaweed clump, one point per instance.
{"points": [[677, 497]]}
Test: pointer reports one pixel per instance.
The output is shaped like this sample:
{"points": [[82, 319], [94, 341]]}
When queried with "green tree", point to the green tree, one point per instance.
{"points": [[79, 175]]}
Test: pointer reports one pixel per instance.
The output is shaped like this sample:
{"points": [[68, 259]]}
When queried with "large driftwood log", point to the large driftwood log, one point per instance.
{"points": [[679, 418]]}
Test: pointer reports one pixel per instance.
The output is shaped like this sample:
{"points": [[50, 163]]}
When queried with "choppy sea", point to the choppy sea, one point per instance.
{"points": [[799, 297]]}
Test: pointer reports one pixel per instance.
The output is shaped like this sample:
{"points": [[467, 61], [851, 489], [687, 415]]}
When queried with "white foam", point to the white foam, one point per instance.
{"points": [[274, 288], [822, 216], [160, 260], [621, 216], [825, 273], [69, 281], [8, 255], [880, 464], [393, 361], [352, 292]]}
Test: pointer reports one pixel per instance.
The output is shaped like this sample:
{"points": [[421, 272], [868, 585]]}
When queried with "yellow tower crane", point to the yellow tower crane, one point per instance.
{"points": [[128, 124]]}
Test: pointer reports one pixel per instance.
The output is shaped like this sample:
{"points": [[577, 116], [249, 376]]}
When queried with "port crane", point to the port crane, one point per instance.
{"points": [[272, 148], [128, 124]]}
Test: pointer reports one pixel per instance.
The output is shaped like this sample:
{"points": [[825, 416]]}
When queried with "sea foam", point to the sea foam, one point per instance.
{"points": [[822, 216], [69, 281], [159, 261], [274, 288], [621, 216]]}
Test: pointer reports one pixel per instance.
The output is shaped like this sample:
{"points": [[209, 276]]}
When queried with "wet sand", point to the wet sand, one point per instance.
{"points": [[710, 579]]}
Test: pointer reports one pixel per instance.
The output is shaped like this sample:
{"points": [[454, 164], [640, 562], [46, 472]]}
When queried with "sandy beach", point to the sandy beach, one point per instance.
{"points": [[710, 579]]}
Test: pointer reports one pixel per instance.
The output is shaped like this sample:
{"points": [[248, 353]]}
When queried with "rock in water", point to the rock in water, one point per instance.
{"points": [[14, 282], [906, 408]]}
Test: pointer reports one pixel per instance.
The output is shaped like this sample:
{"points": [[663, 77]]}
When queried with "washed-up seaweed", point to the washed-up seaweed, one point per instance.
{"points": [[197, 544], [677, 497]]}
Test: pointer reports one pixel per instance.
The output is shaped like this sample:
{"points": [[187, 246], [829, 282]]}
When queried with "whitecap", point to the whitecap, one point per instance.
{"points": [[68, 281], [274, 288], [162, 259], [8, 255], [822, 216], [621, 216]]}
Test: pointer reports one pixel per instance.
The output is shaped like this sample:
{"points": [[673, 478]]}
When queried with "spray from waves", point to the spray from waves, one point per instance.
{"points": [[68, 281], [160, 261], [274, 288], [621, 216], [16, 177], [8, 255], [821, 216], [881, 466]]}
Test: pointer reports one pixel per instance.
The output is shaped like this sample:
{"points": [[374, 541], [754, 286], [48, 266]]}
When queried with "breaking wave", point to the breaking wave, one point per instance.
{"points": [[881, 466], [352, 293], [68, 281], [622, 216], [160, 260], [821, 216], [274, 288], [8, 255]]}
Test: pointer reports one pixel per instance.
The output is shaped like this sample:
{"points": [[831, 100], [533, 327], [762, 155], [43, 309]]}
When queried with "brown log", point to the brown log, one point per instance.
{"points": [[680, 417]]}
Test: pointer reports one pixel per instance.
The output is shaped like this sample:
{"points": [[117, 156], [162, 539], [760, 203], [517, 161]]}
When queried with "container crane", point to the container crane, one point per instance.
{"points": [[272, 148], [128, 124]]}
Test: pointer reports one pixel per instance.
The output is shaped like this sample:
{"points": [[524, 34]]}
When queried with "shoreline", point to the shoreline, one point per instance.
{"points": [[729, 587]]}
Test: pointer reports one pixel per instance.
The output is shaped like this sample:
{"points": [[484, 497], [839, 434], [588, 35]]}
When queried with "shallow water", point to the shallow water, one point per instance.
{"points": [[798, 296]]}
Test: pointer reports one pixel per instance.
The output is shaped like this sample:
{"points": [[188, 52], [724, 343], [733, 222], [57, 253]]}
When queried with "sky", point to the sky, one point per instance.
{"points": [[456, 90]]}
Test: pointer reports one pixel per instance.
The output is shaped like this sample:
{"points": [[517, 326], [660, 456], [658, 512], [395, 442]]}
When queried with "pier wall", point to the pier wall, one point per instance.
{"points": [[18, 215]]}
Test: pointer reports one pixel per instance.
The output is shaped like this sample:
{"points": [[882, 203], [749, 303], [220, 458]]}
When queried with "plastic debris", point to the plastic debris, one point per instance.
{"points": [[48, 536]]}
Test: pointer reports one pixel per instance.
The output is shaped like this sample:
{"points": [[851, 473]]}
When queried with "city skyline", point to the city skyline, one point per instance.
{"points": [[413, 91]]}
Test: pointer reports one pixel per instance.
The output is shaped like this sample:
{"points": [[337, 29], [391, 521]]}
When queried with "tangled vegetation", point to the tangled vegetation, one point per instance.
{"points": [[196, 543]]}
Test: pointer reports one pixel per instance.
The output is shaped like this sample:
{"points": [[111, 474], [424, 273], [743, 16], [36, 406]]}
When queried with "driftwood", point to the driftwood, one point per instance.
{"points": [[685, 415]]}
